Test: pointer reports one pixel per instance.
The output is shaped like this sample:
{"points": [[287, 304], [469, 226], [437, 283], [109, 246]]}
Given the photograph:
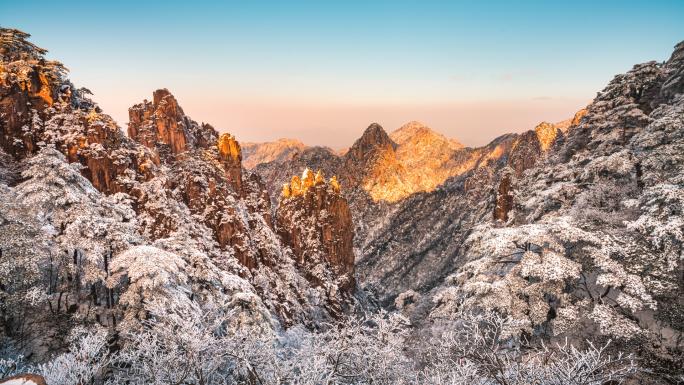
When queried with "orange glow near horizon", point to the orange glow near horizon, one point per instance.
{"points": [[473, 123]]}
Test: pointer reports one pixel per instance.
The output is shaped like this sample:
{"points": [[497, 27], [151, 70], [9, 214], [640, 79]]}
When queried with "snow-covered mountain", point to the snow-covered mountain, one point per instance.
{"points": [[572, 229], [189, 194]]}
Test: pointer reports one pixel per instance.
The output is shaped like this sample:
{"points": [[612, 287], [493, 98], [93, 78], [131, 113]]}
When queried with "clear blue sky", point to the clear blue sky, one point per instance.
{"points": [[322, 71]]}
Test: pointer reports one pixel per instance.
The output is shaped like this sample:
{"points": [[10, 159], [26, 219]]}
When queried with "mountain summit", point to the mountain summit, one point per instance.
{"points": [[279, 151]]}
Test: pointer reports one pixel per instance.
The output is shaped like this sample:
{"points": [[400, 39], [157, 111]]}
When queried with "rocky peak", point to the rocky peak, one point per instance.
{"points": [[371, 163], [406, 132], [580, 114], [280, 151], [275, 174], [529, 147], [567, 124], [428, 157], [314, 220], [373, 144], [524, 152], [159, 122], [230, 155], [162, 125], [205, 135], [546, 133], [416, 131], [39, 108]]}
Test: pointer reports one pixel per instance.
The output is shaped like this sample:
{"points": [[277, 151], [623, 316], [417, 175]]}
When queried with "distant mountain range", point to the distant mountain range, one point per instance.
{"points": [[381, 167]]}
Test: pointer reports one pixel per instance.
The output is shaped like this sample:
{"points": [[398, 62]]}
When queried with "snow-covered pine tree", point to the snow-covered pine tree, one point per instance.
{"points": [[88, 229], [23, 255]]}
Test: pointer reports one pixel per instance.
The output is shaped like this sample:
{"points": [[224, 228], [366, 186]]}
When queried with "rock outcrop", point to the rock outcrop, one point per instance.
{"points": [[275, 174], [567, 124], [547, 134], [27, 88], [162, 125], [314, 220], [504, 200], [525, 152], [230, 155], [580, 114], [529, 147], [36, 109]]}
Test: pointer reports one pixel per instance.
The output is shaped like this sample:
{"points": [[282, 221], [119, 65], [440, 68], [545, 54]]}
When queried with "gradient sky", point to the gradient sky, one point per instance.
{"points": [[322, 71]]}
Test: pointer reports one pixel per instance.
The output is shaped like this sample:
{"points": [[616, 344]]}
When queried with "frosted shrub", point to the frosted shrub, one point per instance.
{"points": [[404, 300], [86, 359], [606, 202], [488, 348], [185, 343], [358, 352]]}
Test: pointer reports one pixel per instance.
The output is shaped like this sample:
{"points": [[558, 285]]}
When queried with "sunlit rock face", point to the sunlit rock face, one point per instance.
{"points": [[280, 151], [371, 164], [546, 133], [314, 220], [580, 114], [27, 89], [531, 146], [409, 131], [568, 124], [162, 125], [275, 174], [230, 155], [428, 157]]}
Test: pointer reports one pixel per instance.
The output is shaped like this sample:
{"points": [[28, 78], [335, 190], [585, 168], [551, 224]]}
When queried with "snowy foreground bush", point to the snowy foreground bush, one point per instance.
{"points": [[184, 343]]}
